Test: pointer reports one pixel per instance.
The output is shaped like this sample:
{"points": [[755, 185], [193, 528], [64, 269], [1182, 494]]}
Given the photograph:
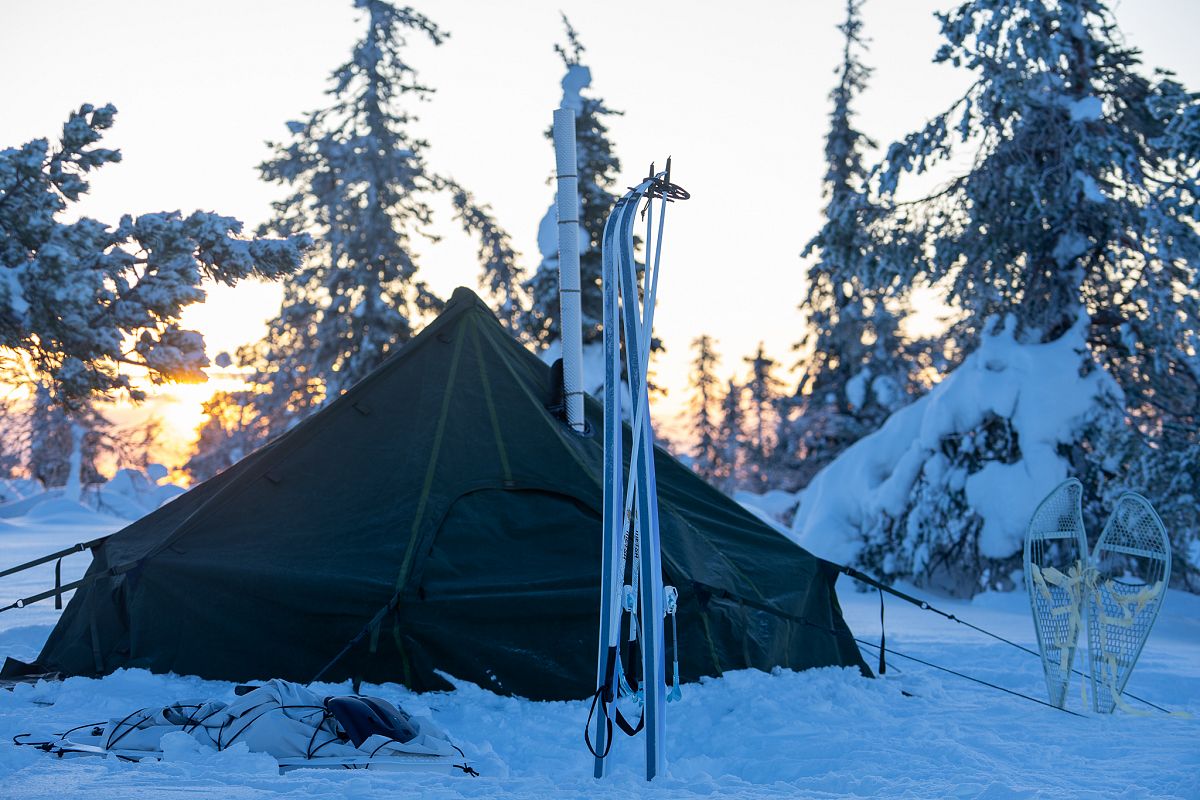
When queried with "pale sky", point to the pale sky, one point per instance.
{"points": [[736, 92]]}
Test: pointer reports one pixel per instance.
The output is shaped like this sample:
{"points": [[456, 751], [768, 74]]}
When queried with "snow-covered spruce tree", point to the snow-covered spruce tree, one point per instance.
{"points": [[79, 300], [503, 277], [729, 452], [1071, 242], [704, 406], [360, 184], [763, 392], [598, 172], [855, 369]]}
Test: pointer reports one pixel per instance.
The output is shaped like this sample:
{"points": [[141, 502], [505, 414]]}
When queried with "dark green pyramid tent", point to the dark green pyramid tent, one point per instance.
{"points": [[442, 500]]}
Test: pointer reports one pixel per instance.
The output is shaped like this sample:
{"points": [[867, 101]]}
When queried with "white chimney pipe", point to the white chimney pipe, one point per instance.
{"points": [[570, 317]]}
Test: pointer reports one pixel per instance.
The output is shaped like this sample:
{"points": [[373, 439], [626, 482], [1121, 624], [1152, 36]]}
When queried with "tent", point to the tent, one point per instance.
{"points": [[436, 518]]}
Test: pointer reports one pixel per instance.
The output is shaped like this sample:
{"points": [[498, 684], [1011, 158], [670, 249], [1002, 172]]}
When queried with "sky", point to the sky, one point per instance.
{"points": [[735, 92]]}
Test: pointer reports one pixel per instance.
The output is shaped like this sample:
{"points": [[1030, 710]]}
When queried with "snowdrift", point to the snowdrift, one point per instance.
{"points": [[130, 494]]}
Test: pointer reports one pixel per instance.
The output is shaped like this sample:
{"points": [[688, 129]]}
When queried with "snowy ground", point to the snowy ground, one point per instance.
{"points": [[824, 733]]}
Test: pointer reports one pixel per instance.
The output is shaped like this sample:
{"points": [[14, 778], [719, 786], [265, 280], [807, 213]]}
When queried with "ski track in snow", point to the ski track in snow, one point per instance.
{"points": [[822, 733]]}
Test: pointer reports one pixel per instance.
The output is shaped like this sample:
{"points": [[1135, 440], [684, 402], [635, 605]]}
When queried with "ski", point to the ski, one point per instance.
{"points": [[630, 525]]}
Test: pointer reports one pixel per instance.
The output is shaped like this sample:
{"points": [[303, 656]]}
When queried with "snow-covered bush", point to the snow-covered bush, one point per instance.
{"points": [[944, 490]]}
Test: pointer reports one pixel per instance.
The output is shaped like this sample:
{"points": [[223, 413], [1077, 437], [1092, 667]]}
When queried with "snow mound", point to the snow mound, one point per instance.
{"points": [[130, 494], [60, 511], [896, 487]]}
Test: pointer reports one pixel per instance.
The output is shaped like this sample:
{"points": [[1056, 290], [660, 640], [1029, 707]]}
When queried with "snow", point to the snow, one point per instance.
{"points": [[577, 79], [1069, 246], [1086, 109], [1038, 388], [819, 733], [887, 391], [547, 236], [1091, 190], [10, 289], [856, 388], [128, 495]]}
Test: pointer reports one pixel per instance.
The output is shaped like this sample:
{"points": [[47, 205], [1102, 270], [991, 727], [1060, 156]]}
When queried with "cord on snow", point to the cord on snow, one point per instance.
{"points": [[925, 606]]}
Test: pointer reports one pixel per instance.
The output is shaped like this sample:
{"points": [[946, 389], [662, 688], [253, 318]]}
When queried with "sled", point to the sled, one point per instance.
{"points": [[1056, 577], [67, 747], [296, 727], [1132, 563]]}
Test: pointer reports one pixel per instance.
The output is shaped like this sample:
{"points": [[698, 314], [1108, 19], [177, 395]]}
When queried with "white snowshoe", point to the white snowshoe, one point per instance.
{"points": [[1056, 577], [1132, 563]]}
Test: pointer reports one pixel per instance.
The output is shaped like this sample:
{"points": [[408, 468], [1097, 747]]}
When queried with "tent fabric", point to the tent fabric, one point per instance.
{"points": [[440, 499]]}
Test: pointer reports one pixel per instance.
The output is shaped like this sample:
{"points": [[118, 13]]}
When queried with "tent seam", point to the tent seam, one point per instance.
{"points": [[432, 467], [491, 405]]}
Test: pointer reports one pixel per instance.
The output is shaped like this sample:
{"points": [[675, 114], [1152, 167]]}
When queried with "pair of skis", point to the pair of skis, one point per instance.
{"points": [[630, 524], [1116, 592]]}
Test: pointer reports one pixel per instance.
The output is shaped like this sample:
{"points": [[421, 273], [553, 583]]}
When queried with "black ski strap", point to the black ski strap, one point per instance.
{"points": [[598, 697], [603, 696], [631, 730]]}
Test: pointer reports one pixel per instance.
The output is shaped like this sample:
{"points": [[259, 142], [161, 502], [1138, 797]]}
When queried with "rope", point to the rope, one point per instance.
{"points": [[925, 606], [980, 681]]}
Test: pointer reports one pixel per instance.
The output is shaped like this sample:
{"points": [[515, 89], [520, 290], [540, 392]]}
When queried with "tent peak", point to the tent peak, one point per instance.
{"points": [[462, 294]]}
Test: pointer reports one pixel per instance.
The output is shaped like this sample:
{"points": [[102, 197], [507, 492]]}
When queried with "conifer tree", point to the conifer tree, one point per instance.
{"points": [[1077, 217], [66, 443], [598, 172], [730, 449], [502, 275], [703, 407], [1082, 199], [80, 300], [13, 441], [361, 186], [855, 368], [763, 391]]}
